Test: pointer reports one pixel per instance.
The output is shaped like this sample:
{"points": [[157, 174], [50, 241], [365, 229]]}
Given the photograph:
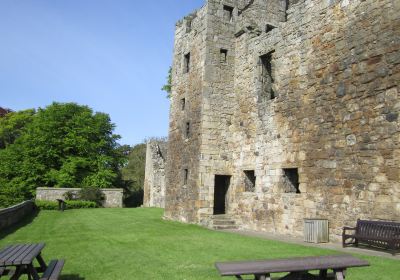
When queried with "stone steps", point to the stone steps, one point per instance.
{"points": [[223, 222]]}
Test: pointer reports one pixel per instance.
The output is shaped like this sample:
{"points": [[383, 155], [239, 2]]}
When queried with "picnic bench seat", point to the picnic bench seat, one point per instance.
{"points": [[380, 234], [298, 268], [53, 270]]}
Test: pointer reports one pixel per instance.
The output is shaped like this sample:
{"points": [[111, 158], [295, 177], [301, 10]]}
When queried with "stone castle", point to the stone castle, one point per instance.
{"points": [[283, 110]]}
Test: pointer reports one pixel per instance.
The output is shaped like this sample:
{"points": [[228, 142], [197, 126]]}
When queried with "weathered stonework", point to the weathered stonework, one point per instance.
{"points": [[113, 197], [154, 181], [317, 97]]}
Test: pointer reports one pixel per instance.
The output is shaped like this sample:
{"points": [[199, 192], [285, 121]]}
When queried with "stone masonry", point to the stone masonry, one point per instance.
{"points": [[285, 110], [113, 197], [154, 181]]}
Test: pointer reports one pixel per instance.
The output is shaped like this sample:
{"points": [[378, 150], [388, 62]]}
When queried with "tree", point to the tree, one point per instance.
{"points": [[4, 111], [12, 125], [64, 145], [168, 86], [133, 175]]}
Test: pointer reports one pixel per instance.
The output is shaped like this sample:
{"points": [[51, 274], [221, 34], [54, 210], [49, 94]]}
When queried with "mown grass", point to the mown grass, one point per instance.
{"points": [[138, 244]]}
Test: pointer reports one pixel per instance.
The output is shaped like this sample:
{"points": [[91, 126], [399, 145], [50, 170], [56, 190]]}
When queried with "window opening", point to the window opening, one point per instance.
{"points": [[249, 180], [187, 130], [183, 104], [228, 13], [267, 76], [185, 176], [291, 180], [223, 55], [187, 63], [188, 25]]}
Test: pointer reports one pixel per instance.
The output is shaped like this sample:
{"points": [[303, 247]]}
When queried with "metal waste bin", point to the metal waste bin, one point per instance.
{"points": [[316, 230]]}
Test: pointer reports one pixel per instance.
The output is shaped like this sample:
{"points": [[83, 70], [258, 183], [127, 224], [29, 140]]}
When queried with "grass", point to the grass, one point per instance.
{"points": [[137, 244]]}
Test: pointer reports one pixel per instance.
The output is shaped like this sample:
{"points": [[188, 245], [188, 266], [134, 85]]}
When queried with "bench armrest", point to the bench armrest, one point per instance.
{"points": [[348, 228]]}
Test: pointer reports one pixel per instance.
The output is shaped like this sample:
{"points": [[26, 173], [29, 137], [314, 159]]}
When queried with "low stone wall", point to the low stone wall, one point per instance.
{"points": [[113, 197], [14, 214]]}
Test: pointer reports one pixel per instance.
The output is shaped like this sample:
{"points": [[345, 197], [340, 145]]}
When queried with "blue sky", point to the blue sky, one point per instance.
{"points": [[112, 55]]}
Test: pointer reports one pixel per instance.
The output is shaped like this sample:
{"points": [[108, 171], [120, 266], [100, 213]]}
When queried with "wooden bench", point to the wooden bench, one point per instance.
{"points": [[298, 268], [53, 270], [380, 234]]}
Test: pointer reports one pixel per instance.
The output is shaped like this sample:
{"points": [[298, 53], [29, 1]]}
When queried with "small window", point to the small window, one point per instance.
{"points": [[267, 76], [185, 176], [291, 180], [188, 25], [249, 180], [269, 28], [186, 66], [228, 13], [187, 130], [183, 104], [223, 55]]}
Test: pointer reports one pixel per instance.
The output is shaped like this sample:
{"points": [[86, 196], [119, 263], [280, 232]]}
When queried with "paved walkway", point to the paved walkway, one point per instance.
{"points": [[299, 241]]}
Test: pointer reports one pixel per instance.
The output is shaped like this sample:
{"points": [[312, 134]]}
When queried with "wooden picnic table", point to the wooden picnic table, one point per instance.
{"points": [[17, 260], [298, 268]]}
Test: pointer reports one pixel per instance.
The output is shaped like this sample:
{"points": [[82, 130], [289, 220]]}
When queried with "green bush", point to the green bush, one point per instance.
{"points": [[71, 204], [91, 194]]}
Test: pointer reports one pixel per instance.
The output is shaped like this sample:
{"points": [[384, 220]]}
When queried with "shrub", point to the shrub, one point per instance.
{"points": [[70, 195], [71, 204], [92, 194]]}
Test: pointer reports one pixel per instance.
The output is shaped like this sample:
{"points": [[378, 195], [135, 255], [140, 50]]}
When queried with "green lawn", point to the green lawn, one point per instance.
{"points": [[137, 244]]}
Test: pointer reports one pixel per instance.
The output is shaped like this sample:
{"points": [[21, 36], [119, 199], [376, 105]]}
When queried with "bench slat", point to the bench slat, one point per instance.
{"points": [[53, 270]]}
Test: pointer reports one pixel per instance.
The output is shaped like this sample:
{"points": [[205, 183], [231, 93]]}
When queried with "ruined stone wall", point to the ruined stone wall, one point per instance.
{"points": [[334, 117], [185, 118], [113, 197], [154, 181]]}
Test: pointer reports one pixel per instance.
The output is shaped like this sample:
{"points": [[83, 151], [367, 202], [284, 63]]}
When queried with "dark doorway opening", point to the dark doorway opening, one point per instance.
{"points": [[221, 186]]}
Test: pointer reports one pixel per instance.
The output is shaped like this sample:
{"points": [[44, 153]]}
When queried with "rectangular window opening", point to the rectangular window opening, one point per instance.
{"points": [[186, 68], [188, 25], [228, 13], [267, 77], [291, 180], [223, 55], [269, 27], [249, 180], [187, 130], [183, 104], [185, 176]]}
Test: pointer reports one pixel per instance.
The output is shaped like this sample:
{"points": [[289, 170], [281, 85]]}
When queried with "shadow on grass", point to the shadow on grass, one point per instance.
{"points": [[24, 222], [71, 277]]}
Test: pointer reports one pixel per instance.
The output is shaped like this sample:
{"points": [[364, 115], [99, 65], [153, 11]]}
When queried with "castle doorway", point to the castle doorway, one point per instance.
{"points": [[221, 186]]}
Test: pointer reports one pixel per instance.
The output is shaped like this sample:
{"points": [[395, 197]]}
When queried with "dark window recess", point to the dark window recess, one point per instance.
{"points": [[223, 55], [186, 66], [269, 28], [188, 25], [286, 4], [291, 180], [249, 180], [267, 76], [185, 176], [183, 104], [228, 13], [187, 130]]}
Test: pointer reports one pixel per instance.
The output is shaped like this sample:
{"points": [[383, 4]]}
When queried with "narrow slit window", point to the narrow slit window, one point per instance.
{"points": [[267, 77], [223, 55], [249, 180], [188, 25], [185, 176], [291, 180], [183, 104], [187, 130], [186, 67], [228, 13]]}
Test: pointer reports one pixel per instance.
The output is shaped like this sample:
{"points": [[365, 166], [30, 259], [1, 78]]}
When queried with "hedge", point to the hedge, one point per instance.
{"points": [[71, 204]]}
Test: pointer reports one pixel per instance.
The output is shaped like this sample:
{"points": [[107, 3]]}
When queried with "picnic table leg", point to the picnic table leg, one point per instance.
{"points": [[32, 271], [262, 277], [42, 263], [323, 273], [339, 274], [17, 273]]}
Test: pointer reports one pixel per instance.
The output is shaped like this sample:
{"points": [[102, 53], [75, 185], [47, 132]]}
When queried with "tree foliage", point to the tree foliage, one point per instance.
{"points": [[62, 145], [168, 86]]}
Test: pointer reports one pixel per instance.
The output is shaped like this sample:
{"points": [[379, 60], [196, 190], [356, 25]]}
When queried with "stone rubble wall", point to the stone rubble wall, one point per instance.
{"points": [[335, 117], [154, 181], [113, 197], [12, 215]]}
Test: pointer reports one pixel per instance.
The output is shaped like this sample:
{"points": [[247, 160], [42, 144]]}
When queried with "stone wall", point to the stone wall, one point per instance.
{"points": [[14, 214], [333, 119], [154, 181], [113, 197]]}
